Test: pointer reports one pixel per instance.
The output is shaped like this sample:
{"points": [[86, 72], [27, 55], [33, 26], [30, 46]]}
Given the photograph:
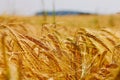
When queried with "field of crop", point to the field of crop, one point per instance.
{"points": [[75, 48]]}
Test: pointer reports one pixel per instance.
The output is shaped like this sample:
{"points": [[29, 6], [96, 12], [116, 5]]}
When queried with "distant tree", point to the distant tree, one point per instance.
{"points": [[11, 6], [54, 12], [44, 11]]}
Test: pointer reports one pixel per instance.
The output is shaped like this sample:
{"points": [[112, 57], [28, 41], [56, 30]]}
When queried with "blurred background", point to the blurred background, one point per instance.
{"points": [[33, 7]]}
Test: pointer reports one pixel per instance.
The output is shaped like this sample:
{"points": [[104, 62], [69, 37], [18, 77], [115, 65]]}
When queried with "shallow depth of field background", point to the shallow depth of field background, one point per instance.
{"points": [[23, 7]]}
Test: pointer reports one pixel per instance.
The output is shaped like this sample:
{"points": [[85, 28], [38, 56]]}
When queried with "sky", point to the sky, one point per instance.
{"points": [[30, 7]]}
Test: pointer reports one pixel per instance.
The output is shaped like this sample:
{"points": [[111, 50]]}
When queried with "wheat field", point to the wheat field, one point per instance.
{"points": [[75, 48]]}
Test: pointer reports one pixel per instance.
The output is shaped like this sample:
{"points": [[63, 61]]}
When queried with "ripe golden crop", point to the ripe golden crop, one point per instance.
{"points": [[66, 50]]}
